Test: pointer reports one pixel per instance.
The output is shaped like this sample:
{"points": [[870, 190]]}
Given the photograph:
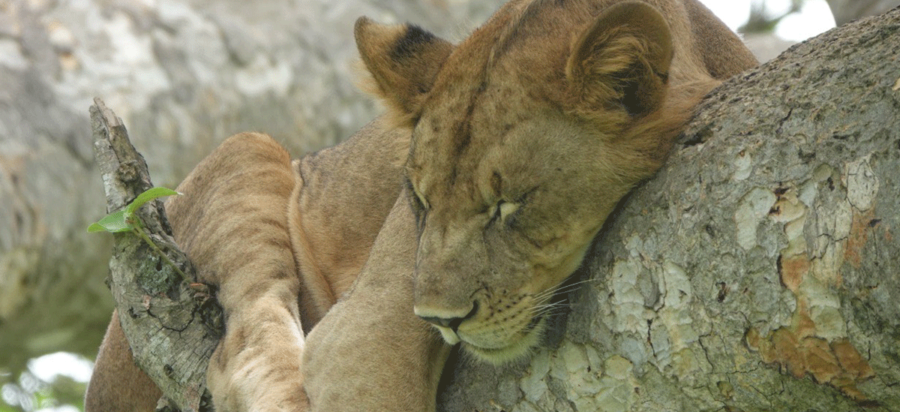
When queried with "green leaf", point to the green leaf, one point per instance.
{"points": [[121, 221], [112, 223], [147, 196]]}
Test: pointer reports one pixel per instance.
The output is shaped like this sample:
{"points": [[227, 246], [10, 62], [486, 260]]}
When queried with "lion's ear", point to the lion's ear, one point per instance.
{"points": [[622, 58], [403, 61]]}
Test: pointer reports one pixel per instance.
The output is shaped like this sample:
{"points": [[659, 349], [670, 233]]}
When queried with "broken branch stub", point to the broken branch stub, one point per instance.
{"points": [[171, 332]]}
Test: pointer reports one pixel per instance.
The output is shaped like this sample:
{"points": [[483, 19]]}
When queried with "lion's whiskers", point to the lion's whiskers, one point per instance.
{"points": [[566, 288], [544, 309]]}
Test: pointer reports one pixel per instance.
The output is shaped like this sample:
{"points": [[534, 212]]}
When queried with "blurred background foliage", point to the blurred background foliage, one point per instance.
{"points": [[28, 392]]}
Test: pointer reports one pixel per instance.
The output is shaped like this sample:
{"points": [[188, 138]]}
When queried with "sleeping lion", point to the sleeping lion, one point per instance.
{"points": [[347, 275]]}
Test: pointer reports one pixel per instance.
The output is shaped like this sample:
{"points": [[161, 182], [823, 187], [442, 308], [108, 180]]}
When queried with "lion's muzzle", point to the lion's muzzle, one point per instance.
{"points": [[446, 322]]}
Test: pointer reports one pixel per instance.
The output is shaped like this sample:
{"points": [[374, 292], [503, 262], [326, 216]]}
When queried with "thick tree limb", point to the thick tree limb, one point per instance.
{"points": [[170, 326]]}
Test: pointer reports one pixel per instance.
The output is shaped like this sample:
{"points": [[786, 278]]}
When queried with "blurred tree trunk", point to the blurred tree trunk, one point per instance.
{"points": [[183, 75], [845, 11], [758, 271]]}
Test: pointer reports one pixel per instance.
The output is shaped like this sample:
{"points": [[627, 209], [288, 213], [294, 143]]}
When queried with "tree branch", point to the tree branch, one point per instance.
{"points": [[172, 325]]}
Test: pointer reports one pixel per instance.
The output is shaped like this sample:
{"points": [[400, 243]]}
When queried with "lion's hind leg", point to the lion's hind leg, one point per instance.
{"points": [[232, 222], [117, 384]]}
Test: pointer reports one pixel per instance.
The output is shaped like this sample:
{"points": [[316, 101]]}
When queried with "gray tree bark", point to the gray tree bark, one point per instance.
{"points": [[183, 75], [758, 271], [845, 11], [172, 328]]}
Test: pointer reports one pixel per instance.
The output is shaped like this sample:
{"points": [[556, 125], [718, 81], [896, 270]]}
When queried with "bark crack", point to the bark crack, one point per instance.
{"points": [[784, 120]]}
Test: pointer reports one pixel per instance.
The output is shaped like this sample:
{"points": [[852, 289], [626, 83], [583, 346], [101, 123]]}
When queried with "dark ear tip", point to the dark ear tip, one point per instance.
{"points": [[361, 24]]}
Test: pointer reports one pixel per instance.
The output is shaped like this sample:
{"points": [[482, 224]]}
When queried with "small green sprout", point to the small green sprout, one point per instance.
{"points": [[125, 221]]}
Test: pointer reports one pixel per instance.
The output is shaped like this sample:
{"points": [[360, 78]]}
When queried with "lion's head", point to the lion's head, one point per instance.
{"points": [[525, 136]]}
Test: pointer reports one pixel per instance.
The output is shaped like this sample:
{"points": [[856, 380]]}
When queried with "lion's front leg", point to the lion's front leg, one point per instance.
{"points": [[256, 366], [232, 222], [370, 352]]}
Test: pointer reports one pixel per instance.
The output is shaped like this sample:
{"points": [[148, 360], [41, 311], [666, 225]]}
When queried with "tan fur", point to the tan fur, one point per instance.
{"points": [[117, 384], [533, 129], [524, 137], [370, 352], [343, 196], [248, 218]]}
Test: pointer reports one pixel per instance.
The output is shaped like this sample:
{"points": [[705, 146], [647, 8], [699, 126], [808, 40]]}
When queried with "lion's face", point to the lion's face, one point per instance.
{"points": [[520, 150], [505, 216]]}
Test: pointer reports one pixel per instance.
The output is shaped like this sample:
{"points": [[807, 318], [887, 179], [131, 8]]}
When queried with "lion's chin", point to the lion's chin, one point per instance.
{"points": [[522, 346]]}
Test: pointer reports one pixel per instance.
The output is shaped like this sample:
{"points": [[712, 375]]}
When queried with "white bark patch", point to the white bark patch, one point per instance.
{"points": [[617, 386], [819, 295], [814, 284], [789, 208], [833, 224], [810, 188], [680, 327], [627, 299], [592, 386], [830, 325], [824, 306], [673, 341], [534, 384], [753, 207], [743, 165], [661, 344], [862, 184], [676, 287], [794, 232]]}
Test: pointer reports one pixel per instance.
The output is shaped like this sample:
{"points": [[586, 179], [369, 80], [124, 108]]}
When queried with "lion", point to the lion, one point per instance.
{"points": [[282, 240], [524, 139], [453, 219]]}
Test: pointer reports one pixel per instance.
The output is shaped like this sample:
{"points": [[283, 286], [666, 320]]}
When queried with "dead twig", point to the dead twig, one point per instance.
{"points": [[172, 334]]}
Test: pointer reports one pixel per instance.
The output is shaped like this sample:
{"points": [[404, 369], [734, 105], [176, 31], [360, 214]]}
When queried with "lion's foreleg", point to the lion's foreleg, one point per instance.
{"points": [[370, 352], [232, 222]]}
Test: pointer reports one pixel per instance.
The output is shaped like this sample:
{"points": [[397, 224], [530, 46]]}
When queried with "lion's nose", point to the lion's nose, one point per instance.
{"points": [[451, 322]]}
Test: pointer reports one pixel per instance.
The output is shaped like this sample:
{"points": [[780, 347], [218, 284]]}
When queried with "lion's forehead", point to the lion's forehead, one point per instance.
{"points": [[495, 77], [471, 137], [488, 112]]}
